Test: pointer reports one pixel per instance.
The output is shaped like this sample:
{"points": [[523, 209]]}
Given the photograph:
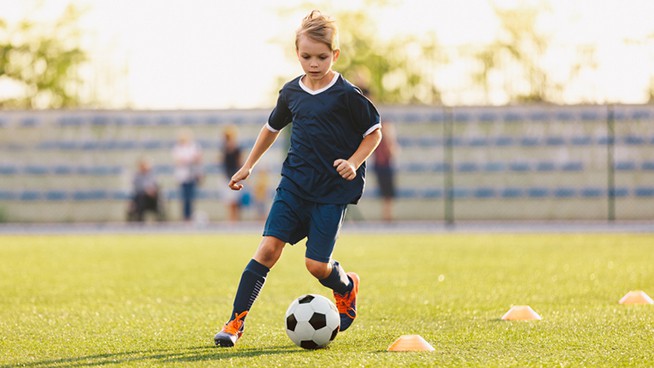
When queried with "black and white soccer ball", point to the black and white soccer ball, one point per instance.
{"points": [[312, 321]]}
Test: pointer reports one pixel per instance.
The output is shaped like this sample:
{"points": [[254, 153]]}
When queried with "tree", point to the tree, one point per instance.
{"points": [[39, 61], [396, 71], [514, 58]]}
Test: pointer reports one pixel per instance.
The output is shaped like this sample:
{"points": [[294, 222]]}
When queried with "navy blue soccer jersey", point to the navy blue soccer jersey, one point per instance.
{"points": [[328, 124]]}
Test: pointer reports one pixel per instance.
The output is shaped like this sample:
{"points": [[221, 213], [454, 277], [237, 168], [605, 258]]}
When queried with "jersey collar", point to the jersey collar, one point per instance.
{"points": [[323, 89]]}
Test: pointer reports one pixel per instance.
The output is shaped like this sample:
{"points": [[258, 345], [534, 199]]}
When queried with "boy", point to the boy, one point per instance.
{"points": [[335, 129]]}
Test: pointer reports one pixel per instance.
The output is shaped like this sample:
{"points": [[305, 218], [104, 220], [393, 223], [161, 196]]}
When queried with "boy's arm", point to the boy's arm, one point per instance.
{"points": [[348, 168], [265, 139]]}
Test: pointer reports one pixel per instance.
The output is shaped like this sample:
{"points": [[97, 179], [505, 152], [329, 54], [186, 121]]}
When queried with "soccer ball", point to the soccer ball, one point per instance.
{"points": [[312, 321]]}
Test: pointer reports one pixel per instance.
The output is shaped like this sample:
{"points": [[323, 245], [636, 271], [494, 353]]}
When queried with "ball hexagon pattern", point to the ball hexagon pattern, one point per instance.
{"points": [[312, 321]]}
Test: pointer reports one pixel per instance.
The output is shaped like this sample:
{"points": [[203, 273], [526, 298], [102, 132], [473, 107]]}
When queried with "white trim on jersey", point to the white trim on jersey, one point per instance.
{"points": [[271, 128], [372, 129], [323, 89]]}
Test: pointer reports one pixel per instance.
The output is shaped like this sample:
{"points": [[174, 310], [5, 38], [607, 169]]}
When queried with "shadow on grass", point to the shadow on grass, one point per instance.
{"points": [[179, 355]]}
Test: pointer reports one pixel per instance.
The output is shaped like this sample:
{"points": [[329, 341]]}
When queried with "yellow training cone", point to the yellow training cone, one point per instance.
{"points": [[636, 297], [410, 343], [521, 313]]}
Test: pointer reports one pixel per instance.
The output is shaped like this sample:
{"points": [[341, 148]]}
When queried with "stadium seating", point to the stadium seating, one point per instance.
{"points": [[528, 158]]}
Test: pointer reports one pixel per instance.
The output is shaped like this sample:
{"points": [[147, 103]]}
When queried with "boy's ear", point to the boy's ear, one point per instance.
{"points": [[337, 53]]}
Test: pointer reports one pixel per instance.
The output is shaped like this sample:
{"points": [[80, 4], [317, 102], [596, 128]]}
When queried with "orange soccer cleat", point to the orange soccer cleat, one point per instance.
{"points": [[231, 332], [347, 303]]}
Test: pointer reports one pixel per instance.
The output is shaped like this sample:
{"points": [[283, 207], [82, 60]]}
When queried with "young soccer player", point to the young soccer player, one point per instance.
{"points": [[335, 129]]}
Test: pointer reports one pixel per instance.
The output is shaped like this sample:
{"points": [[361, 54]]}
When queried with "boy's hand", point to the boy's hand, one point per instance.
{"points": [[240, 175], [345, 169]]}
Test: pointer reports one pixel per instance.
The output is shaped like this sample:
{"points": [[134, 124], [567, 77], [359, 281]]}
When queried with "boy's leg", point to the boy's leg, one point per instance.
{"points": [[337, 279], [326, 221], [249, 287], [252, 280], [345, 287]]}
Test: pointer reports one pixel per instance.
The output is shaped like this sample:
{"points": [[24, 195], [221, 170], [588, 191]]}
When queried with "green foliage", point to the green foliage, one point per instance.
{"points": [[41, 60], [157, 300], [395, 71], [517, 55]]}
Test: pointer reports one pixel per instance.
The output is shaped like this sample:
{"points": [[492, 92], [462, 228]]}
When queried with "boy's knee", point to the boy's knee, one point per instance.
{"points": [[319, 270], [269, 251]]}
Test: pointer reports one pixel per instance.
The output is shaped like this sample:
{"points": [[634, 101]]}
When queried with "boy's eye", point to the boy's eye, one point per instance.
{"points": [[320, 57]]}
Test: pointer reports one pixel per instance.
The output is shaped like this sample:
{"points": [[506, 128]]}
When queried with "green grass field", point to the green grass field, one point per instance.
{"points": [[157, 300]]}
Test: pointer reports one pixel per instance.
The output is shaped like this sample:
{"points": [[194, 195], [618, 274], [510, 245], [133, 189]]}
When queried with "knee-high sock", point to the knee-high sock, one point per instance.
{"points": [[337, 280], [252, 280]]}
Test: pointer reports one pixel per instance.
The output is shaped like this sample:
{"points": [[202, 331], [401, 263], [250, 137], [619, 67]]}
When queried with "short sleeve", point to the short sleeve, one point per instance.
{"points": [[281, 114], [363, 113]]}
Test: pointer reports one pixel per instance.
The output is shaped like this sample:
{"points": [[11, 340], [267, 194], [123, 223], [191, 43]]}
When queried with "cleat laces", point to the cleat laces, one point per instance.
{"points": [[344, 305], [235, 326]]}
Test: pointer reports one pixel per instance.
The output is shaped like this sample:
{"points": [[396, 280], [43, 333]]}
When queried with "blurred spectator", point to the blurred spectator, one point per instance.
{"points": [[261, 195], [384, 163], [187, 156], [385, 170], [145, 195], [232, 161]]}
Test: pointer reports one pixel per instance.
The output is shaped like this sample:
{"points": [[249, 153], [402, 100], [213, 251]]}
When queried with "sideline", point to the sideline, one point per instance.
{"points": [[349, 227]]}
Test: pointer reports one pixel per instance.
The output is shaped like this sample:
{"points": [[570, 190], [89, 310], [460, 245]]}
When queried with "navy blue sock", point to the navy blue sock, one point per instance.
{"points": [[337, 280], [252, 280]]}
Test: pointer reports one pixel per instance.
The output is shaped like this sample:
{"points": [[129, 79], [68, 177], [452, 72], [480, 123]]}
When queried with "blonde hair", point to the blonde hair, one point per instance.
{"points": [[320, 28]]}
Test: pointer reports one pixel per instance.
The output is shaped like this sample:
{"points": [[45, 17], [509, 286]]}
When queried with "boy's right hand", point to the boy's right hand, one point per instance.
{"points": [[240, 175]]}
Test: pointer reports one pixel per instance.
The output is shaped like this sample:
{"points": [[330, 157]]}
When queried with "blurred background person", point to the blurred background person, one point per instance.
{"points": [[145, 194], [187, 156], [261, 194], [384, 168], [232, 161], [384, 160]]}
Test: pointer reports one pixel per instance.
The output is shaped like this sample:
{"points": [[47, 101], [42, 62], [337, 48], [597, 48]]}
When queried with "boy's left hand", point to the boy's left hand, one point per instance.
{"points": [[345, 169]]}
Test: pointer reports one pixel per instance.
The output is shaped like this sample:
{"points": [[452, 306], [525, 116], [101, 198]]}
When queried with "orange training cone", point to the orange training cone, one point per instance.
{"points": [[636, 297], [521, 313], [410, 343]]}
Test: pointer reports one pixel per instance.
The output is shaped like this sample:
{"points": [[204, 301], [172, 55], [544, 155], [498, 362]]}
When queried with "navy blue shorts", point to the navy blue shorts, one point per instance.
{"points": [[292, 218]]}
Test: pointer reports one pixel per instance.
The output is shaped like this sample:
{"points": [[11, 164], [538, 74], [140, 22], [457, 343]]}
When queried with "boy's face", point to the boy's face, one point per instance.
{"points": [[316, 58]]}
